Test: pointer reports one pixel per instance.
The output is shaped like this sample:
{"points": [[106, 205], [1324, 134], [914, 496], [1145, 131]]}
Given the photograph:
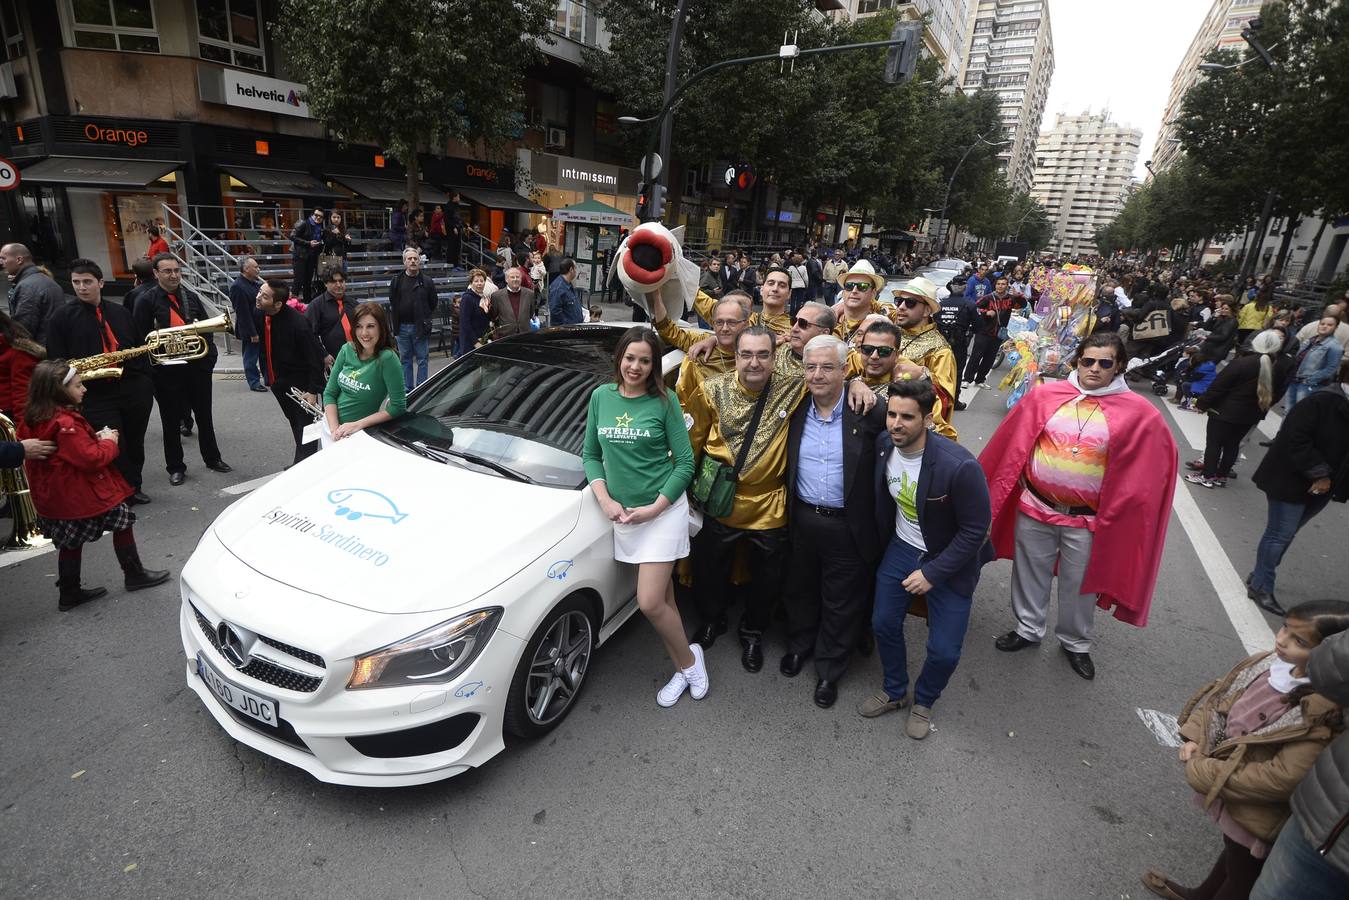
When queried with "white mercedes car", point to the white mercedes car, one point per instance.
{"points": [[380, 614]]}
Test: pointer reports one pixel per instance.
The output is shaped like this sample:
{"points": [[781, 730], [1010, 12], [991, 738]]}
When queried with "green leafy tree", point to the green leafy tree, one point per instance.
{"points": [[410, 75]]}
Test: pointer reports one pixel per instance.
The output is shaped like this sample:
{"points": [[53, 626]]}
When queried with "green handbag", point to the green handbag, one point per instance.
{"points": [[713, 488]]}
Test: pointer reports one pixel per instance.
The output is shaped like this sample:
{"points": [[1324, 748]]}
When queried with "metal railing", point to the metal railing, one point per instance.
{"points": [[199, 255]]}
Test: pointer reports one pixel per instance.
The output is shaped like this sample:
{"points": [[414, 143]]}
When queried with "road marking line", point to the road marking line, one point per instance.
{"points": [[1270, 424], [1252, 629], [40, 545], [1163, 726], [244, 487]]}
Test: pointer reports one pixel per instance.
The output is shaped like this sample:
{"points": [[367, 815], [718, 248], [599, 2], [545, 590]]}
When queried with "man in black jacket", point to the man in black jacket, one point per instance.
{"points": [[956, 321], [831, 518], [290, 357], [91, 327], [243, 294], [932, 502], [329, 316], [306, 243], [34, 296], [184, 388], [1306, 468], [412, 303]]}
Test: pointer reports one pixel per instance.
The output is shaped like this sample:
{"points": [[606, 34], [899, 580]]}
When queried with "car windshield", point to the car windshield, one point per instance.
{"points": [[513, 418]]}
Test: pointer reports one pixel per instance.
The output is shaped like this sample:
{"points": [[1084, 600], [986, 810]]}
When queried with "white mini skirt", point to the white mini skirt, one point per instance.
{"points": [[663, 539]]}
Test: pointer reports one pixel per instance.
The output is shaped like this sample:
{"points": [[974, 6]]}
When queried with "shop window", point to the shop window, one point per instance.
{"points": [[230, 32], [127, 25], [10, 31]]}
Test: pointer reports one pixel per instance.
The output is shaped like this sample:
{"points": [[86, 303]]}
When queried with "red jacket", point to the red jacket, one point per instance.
{"points": [[157, 246], [1140, 478], [17, 363], [79, 480]]}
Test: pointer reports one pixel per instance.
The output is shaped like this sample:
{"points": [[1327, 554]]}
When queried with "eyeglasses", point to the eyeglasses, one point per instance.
{"points": [[750, 355], [857, 285], [727, 323], [802, 322], [910, 302], [872, 350], [1088, 362]]}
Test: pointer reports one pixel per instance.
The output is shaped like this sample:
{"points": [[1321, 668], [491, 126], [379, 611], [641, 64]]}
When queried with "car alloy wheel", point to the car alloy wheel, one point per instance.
{"points": [[552, 671]]}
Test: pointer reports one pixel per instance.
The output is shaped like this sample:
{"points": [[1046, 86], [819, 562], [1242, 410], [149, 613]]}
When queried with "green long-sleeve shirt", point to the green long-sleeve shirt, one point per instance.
{"points": [[639, 446], [358, 387]]}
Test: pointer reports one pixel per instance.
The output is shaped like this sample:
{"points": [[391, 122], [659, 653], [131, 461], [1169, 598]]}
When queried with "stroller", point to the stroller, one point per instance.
{"points": [[1162, 367]]}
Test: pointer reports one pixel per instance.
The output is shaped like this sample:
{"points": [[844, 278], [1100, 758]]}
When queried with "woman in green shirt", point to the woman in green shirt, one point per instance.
{"points": [[639, 462], [365, 373]]}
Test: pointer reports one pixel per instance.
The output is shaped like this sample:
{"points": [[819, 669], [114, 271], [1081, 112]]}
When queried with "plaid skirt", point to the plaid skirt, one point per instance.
{"points": [[71, 534]]}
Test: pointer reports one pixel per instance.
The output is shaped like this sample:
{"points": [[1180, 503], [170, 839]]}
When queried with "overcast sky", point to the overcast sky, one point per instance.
{"points": [[1120, 55]]}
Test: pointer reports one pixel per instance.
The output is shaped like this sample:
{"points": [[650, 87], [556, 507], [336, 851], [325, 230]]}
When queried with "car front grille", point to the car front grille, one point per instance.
{"points": [[270, 671]]}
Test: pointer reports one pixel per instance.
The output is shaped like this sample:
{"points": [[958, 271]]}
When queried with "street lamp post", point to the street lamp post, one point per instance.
{"points": [[946, 201]]}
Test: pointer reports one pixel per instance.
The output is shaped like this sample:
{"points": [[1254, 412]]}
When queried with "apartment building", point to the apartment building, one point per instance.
{"points": [[1010, 51], [1083, 170], [1221, 29]]}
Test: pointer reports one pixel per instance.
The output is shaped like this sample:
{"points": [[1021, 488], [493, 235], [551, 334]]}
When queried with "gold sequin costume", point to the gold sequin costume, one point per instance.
{"points": [[781, 324], [692, 371], [924, 346], [721, 407]]}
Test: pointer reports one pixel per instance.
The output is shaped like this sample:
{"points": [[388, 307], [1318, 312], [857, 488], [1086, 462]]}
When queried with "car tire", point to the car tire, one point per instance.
{"points": [[555, 662]]}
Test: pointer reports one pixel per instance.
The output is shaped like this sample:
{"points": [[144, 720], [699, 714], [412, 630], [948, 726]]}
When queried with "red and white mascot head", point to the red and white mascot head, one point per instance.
{"points": [[652, 259]]}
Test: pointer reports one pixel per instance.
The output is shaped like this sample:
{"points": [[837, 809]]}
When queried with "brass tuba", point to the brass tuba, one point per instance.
{"points": [[14, 484], [177, 343]]}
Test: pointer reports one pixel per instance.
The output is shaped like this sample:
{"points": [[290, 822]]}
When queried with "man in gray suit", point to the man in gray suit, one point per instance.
{"points": [[510, 308]]}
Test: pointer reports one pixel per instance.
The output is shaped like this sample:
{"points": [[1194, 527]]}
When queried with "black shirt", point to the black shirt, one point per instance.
{"points": [[152, 313], [291, 350], [75, 333], [326, 322]]}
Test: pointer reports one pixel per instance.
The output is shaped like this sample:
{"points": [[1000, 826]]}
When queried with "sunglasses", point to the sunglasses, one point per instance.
{"points": [[910, 302], [802, 322], [872, 350], [857, 285], [1088, 362]]}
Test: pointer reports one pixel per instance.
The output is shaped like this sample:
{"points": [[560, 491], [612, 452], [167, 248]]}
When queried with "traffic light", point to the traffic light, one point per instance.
{"points": [[901, 58], [651, 202], [643, 190]]}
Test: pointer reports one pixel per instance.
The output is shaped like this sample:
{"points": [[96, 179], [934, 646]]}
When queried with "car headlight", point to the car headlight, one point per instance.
{"points": [[433, 656]]}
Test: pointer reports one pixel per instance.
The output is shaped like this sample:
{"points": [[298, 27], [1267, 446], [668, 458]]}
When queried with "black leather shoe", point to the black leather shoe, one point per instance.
{"points": [[791, 664], [185, 430], [1269, 443], [961, 406], [1080, 662], [220, 466], [1265, 601], [140, 498], [826, 692], [707, 635], [1012, 642], [752, 657], [177, 478]]}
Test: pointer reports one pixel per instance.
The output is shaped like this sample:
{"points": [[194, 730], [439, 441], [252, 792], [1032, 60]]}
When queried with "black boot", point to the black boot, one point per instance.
{"points": [[137, 576], [72, 595]]}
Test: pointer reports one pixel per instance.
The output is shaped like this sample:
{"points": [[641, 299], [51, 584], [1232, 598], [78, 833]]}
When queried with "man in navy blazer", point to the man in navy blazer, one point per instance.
{"points": [[932, 499]]}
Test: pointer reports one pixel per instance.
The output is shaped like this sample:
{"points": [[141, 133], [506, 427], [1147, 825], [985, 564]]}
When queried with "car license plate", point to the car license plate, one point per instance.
{"points": [[246, 702]]}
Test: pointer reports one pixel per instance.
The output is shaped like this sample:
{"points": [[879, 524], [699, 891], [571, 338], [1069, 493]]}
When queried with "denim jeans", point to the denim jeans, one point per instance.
{"points": [[1297, 391], [1295, 869], [251, 370], [409, 345], [1285, 520], [948, 616]]}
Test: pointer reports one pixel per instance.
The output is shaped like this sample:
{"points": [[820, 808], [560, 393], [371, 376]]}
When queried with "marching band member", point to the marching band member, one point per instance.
{"points": [[290, 357]]}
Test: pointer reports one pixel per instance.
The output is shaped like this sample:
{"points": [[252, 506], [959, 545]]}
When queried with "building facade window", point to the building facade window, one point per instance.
{"points": [[10, 31], [126, 25], [230, 32], [577, 21]]}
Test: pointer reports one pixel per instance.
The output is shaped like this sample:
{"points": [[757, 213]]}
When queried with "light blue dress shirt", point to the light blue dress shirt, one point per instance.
{"points": [[819, 467]]}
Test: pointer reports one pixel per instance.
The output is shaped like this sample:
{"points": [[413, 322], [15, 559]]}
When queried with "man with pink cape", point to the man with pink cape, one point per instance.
{"points": [[1080, 477]]}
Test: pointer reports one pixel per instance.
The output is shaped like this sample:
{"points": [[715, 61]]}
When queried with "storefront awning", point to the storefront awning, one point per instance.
{"points": [[384, 191], [507, 200], [593, 212], [284, 183], [103, 173]]}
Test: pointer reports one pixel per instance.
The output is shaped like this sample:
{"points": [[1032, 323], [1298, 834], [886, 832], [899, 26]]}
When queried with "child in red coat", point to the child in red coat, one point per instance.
{"points": [[78, 492]]}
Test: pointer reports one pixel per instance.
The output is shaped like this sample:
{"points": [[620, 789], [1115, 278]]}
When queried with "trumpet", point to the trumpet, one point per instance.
{"points": [[14, 484], [313, 409], [178, 343]]}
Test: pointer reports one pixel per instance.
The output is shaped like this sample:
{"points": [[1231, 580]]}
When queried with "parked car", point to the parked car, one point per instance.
{"points": [[384, 612]]}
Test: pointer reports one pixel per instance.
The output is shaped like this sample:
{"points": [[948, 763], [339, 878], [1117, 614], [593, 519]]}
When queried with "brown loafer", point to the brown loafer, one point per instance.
{"points": [[1162, 886], [879, 704]]}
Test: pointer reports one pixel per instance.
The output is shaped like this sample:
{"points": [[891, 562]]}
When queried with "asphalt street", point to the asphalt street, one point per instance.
{"points": [[115, 782]]}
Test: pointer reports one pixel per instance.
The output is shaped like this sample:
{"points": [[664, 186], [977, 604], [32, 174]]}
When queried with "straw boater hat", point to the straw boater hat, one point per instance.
{"points": [[862, 269], [920, 287]]}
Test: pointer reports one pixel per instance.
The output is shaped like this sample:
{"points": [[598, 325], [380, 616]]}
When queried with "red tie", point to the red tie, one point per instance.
{"points": [[109, 339], [341, 317], [175, 312], [271, 376]]}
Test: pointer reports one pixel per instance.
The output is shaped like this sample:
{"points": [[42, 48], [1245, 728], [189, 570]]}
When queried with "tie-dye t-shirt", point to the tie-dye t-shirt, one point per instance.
{"points": [[1068, 464]]}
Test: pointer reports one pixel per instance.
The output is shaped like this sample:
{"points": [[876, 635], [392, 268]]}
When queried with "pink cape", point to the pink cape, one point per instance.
{"points": [[1140, 478]]}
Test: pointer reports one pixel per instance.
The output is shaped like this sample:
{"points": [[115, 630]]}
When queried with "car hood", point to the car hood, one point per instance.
{"points": [[372, 526]]}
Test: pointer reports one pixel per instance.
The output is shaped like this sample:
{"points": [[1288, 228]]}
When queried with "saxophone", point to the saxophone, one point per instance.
{"points": [[14, 485], [178, 343]]}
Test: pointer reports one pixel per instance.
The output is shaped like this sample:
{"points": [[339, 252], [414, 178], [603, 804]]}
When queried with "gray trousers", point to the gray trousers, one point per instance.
{"points": [[1037, 547]]}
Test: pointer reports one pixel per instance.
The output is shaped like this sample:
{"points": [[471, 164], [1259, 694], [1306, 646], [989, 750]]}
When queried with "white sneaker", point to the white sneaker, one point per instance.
{"points": [[696, 674], [674, 689]]}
